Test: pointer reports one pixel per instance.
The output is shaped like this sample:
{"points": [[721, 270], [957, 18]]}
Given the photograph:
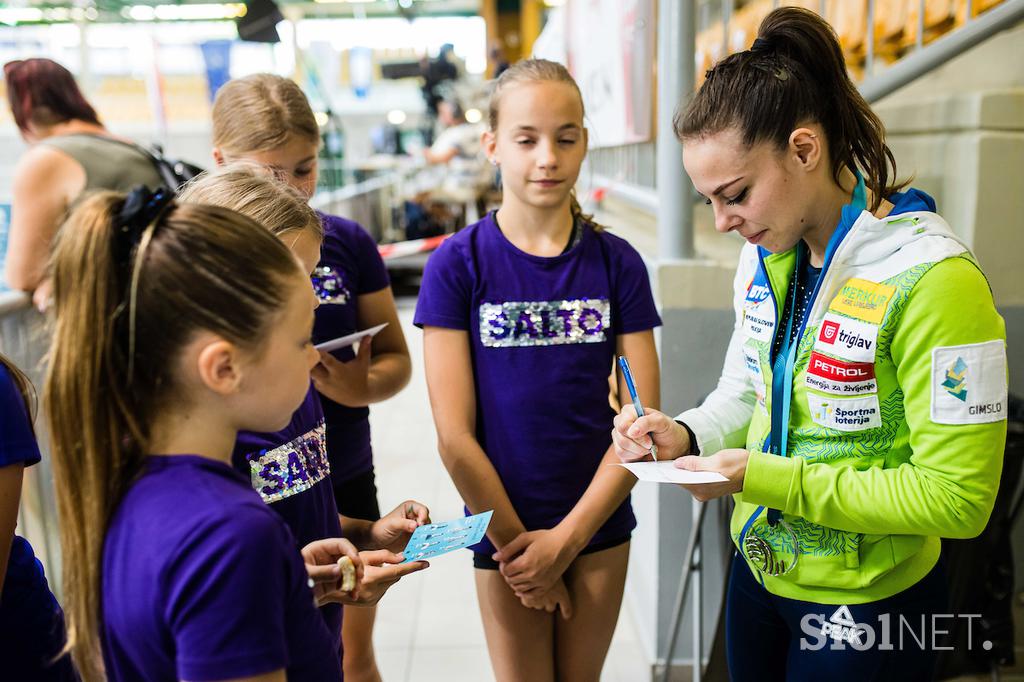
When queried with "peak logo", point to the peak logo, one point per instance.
{"points": [[841, 627]]}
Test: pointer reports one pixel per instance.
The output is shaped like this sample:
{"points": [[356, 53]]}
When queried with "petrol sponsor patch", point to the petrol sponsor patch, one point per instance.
{"points": [[969, 383], [848, 338], [845, 414], [839, 377], [759, 309], [863, 300]]}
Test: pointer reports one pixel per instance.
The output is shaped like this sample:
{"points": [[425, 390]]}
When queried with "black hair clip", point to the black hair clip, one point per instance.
{"points": [[761, 46], [141, 208]]}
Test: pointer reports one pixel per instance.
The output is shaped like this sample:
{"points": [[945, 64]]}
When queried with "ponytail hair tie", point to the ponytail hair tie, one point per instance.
{"points": [[761, 46], [141, 208]]}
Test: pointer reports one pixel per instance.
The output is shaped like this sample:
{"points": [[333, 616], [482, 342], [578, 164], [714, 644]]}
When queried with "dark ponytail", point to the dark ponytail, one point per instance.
{"points": [[792, 74]]}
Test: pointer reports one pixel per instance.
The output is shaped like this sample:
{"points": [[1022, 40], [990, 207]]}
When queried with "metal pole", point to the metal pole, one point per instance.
{"points": [[684, 584], [920, 24], [726, 18], [698, 613], [869, 63], [676, 39], [1000, 17]]}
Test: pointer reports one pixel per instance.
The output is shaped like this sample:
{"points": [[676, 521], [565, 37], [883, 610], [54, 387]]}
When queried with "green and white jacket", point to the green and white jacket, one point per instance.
{"points": [[897, 413]]}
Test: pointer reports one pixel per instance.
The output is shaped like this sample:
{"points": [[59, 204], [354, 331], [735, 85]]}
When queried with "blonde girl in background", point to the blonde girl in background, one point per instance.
{"points": [[289, 467], [523, 314], [163, 349], [266, 119]]}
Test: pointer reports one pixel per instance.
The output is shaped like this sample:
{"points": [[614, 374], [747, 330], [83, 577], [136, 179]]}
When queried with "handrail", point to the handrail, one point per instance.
{"points": [[354, 190], [937, 53], [11, 301]]}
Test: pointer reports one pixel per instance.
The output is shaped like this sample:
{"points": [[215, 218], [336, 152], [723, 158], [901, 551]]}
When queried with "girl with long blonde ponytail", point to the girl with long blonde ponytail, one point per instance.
{"points": [[173, 568]]}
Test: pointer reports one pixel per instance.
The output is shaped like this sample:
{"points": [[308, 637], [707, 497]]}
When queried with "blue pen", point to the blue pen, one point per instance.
{"points": [[628, 376]]}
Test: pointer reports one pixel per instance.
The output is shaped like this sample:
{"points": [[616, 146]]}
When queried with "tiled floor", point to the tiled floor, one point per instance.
{"points": [[428, 626]]}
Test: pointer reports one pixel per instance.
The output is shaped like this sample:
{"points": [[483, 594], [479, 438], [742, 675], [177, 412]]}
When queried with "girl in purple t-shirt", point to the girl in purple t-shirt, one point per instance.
{"points": [[31, 621], [173, 567], [267, 119], [523, 313], [289, 467]]}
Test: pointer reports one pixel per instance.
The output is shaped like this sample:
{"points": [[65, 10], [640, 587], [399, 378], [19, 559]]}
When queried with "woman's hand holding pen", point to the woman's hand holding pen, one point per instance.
{"points": [[633, 437], [393, 530], [346, 383], [535, 560]]}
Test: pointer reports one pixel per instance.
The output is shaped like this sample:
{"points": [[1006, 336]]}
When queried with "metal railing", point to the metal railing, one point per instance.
{"points": [[24, 339]]}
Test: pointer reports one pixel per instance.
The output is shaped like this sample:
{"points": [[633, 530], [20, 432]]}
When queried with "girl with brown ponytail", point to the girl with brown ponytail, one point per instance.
{"points": [[164, 349], [861, 414]]}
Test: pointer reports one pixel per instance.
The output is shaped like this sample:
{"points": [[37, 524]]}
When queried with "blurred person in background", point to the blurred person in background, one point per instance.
{"points": [[70, 152]]}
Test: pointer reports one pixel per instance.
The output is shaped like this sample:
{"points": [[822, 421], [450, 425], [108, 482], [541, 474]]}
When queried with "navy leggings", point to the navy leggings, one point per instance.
{"points": [[764, 633]]}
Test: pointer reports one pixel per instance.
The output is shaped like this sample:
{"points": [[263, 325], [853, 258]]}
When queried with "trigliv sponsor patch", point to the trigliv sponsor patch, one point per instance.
{"points": [[847, 338]]}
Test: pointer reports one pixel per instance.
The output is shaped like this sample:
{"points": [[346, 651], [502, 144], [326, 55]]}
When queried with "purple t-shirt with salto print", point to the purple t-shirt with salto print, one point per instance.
{"points": [[542, 337], [349, 267], [201, 581], [289, 469]]}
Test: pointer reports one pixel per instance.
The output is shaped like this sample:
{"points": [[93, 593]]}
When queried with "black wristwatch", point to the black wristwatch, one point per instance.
{"points": [[694, 448]]}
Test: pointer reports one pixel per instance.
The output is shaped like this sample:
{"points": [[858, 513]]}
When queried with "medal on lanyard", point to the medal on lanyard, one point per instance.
{"points": [[760, 553], [757, 550]]}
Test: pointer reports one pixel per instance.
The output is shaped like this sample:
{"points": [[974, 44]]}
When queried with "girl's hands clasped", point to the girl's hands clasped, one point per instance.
{"points": [[632, 437], [534, 561]]}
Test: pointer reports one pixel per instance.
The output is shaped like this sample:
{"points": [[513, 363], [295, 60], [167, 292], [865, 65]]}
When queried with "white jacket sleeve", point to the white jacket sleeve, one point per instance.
{"points": [[724, 417]]}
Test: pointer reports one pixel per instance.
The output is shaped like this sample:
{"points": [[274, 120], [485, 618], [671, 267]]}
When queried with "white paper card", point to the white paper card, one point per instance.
{"points": [[666, 472], [342, 342]]}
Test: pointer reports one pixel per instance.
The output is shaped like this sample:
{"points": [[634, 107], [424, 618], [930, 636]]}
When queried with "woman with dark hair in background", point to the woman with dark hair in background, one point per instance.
{"points": [[70, 152]]}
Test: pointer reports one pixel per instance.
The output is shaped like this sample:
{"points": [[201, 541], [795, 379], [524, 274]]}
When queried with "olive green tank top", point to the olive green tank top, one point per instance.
{"points": [[108, 163]]}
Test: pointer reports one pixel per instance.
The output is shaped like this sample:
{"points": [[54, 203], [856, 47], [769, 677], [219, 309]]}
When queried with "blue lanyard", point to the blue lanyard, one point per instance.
{"points": [[782, 368]]}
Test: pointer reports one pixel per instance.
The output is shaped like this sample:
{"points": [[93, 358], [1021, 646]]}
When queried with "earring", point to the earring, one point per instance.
{"points": [[494, 162]]}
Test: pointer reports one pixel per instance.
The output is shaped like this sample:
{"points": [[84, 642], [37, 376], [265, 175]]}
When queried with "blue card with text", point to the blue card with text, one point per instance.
{"points": [[436, 539]]}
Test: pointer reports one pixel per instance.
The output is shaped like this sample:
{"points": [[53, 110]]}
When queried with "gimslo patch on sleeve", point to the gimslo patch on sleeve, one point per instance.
{"points": [[969, 383]]}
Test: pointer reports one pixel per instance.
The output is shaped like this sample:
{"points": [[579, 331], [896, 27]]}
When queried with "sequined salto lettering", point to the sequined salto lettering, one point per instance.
{"points": [[330, 286], [517, 324], [291, 468]]}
